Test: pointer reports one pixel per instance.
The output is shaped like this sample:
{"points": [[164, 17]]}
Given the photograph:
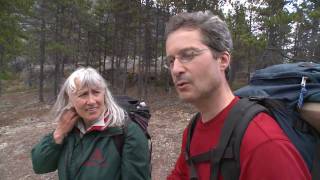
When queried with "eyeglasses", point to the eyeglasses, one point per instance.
{"points": [[184, 56]]}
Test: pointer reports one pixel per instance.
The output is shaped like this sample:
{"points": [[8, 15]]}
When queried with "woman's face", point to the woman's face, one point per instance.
{"points": [[89, 103]]}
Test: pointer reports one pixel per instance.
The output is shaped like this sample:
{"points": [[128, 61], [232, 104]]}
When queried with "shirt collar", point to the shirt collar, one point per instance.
{"points": [[99, 125]]}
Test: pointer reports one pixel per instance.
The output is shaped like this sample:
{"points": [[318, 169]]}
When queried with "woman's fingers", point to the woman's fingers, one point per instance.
{"points": [[66, 123]]}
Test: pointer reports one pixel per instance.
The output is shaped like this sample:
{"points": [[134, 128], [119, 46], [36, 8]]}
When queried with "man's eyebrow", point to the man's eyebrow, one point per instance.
{"points": [[188, 48], [184, 50]]}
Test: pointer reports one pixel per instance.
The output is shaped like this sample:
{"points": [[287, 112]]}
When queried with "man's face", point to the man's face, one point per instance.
{"points": [[195, 72]]}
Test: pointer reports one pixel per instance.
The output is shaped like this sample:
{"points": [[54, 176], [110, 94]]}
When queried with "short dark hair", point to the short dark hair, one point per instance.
{"points": [[214, 31]]}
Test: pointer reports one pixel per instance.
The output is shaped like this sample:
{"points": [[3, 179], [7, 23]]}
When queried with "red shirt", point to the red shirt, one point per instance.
{"points": [[265, 152]]}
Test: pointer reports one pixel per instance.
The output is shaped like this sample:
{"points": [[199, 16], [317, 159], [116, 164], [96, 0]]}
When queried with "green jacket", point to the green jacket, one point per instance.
{"points": [[94, 156]]}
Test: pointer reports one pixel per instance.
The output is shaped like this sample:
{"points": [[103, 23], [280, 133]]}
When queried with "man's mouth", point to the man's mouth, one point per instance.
{"points": [[181, 84]]}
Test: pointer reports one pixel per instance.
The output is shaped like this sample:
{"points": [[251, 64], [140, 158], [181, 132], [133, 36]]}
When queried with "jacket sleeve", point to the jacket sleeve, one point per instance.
{"points": [[135, 163], [45, 155]]}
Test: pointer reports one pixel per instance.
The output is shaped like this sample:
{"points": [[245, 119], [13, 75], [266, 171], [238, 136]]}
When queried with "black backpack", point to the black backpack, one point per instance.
{"points": [[276, 90], [138, 113]]}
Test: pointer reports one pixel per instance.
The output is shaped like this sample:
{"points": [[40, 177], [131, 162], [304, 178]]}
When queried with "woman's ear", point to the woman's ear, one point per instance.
{"points": [[69, 105], [70, 102]]}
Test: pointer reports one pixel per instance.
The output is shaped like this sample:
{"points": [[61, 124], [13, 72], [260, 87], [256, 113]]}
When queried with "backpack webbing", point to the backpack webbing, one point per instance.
{"points": [[315, 171], [138, 114], [120, 138], [230, 161], [225, 156]]}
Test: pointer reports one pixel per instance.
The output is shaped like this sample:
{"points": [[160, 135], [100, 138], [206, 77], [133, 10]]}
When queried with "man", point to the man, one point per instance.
{"points": [[198, 47]]}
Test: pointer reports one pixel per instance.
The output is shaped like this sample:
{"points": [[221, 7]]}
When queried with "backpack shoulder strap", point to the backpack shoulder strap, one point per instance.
{"points": [[227, 154], [120, 138], [191, 126], [119, 141], [250, 108], [236, 114], [315, 173]]}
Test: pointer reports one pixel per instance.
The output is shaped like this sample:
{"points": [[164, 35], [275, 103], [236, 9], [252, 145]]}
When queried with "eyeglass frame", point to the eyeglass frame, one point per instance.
{"points": [[187, 57]]}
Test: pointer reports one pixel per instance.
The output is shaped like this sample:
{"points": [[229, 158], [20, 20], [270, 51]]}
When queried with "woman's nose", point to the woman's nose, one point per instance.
{"points": [[91, 99]]}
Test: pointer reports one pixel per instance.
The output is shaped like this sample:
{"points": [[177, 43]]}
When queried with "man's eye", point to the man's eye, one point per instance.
{"points": [[187, 55], [170, 59]]}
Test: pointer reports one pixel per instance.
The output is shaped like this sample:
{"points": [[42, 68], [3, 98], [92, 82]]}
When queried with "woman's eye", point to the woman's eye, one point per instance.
{"points": [[83, 94], [96, 92]]}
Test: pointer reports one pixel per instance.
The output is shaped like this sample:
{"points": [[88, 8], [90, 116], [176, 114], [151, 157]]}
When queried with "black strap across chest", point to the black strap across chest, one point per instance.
{"points": [[225, 157]]}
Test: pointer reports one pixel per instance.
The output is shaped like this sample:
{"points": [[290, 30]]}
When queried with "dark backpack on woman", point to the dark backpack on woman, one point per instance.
{"points": [[139, 113], [280, 91]]}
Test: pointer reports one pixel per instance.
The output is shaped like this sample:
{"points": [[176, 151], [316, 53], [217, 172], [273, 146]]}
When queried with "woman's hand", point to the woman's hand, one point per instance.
{"points": [[65, 124]]}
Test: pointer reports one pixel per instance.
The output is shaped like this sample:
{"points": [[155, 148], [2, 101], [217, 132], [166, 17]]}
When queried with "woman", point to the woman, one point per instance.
{"points": [[81, 146]]}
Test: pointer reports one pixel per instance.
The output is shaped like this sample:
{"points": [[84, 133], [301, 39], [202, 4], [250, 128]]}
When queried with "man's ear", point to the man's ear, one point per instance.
{"points": [[224, 60]]}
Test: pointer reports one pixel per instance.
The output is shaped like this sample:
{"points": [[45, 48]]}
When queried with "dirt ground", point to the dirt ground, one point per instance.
{"points": [[23, 122]]}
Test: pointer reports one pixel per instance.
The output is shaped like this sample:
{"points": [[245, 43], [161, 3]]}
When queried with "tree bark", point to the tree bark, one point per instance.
{"points": [[1, 66], [156, 45], [148, 48], [42, 58]]}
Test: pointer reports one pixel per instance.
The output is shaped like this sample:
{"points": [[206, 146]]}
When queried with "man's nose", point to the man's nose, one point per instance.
{"points": [[177, 67]]}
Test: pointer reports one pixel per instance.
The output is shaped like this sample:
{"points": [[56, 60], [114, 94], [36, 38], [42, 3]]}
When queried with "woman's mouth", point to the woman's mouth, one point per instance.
{"points": [[92, 109]]}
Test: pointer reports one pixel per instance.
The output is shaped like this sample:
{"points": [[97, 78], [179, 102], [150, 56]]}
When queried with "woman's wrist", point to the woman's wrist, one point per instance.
{"points": [[58, 137]]}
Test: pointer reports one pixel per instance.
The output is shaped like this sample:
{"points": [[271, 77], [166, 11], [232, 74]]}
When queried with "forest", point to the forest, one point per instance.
{"points": [[124, 39], [42, 41]]}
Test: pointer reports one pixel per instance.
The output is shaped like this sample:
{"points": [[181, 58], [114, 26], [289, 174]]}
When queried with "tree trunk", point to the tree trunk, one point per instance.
{"points": [[42, 58], [105, 44], [125, 73], [156, 46], [296, 42], [140, 78], [138, 54], [114, 51], [315, 50], [147, 49], [1, 66], [57, 55], [135, 44], [78, 46], [104, 58], [88, 49], [140, 68]]}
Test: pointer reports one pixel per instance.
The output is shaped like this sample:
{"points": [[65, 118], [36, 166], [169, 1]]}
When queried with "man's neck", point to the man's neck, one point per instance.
{"points": [[211, 106]]}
